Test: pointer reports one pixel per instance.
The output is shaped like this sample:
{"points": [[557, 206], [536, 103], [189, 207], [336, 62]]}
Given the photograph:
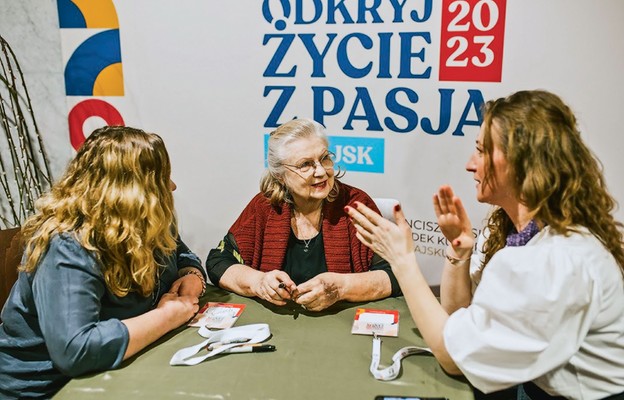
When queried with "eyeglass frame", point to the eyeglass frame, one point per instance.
{"points": [[329, 155]]}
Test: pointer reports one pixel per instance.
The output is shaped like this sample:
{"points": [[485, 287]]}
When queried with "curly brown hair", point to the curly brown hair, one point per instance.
{"points": [[115, 199], [556, 175]]}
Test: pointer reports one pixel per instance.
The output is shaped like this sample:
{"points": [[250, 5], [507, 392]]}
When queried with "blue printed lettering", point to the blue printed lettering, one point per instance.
{"points": [[332, 7], [407, 54], [280, 104], [412, 48], [316, 57], [396, 108], [318, 10], [318, 99], [343, 58], [475, 101], [446, 96], [341, 11], [426, 15], [280, 52], [370, 116]]}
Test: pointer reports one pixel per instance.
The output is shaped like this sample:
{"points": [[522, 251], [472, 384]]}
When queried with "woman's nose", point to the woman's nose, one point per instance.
{"points": [[319, 170], [471, 166], [172, 185]]}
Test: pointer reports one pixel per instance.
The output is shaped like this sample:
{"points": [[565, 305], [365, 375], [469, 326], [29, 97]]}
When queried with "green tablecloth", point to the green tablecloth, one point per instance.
{"points": [[317, 357]]}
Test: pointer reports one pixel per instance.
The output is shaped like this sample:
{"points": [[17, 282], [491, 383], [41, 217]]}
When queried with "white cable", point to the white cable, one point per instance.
{"points": [[219, 341], [391, 372]]}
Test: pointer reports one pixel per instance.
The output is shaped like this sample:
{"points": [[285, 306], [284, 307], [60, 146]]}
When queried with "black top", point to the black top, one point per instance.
{"points": [[299, 264]]}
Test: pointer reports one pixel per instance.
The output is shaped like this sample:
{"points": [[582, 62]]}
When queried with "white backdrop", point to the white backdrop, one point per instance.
{"points": [[200, 74]]}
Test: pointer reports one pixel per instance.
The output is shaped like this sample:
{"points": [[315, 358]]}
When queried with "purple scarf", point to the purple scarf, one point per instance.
{"points": [[515, 238]]}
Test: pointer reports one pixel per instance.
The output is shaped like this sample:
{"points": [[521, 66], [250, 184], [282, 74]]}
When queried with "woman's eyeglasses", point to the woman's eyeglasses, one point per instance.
{"points": [[327, 162]]}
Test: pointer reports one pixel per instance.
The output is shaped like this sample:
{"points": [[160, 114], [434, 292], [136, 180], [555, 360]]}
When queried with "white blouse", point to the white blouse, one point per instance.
{"points": [[551, 312]]}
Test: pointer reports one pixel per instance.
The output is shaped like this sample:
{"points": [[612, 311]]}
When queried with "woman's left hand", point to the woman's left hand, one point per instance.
{"points": [[320, 292], [188, 285], [393, 242]]}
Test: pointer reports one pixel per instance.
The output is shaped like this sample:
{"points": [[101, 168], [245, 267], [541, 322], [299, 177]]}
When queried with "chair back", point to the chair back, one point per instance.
{"points": [[10, 256], [386, 207]]}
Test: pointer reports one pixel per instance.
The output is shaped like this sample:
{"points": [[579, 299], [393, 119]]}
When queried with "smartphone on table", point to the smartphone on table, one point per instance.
{"points": [[389, 397]]}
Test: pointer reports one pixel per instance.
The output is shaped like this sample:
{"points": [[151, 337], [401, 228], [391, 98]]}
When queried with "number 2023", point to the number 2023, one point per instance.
{"points": [[472, 40]]}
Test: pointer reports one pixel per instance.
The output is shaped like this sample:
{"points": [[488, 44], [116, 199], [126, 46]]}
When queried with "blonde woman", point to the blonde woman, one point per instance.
{"points": [[104, 273], [539, 302]]}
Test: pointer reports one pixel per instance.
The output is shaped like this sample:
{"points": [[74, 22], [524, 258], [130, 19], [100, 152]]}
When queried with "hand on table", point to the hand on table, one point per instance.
{"points": [[275, 287], [178, 309], [320, 292]]}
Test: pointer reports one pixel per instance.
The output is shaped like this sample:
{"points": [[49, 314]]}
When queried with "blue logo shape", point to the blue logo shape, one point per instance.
{"points": [[280, 25], [89, 59], [70, 15], [354, 154]]}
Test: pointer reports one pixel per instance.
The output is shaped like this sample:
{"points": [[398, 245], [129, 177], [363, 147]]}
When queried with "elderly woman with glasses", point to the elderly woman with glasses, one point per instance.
{"points": [[294, 240]]}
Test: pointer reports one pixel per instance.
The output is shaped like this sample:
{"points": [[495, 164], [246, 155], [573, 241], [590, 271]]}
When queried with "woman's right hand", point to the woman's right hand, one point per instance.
{"points": [[171, 312], [178, 309], [454, 221], [391, 241], [275, 287]]}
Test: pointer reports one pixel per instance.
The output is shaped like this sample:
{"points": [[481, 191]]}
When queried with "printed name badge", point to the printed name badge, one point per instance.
{"points": [[217, 315], [376, 322]]}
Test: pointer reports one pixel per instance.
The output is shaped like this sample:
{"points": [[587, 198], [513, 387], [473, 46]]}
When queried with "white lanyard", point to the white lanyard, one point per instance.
{"points": [[220, 341], [391, 372]]}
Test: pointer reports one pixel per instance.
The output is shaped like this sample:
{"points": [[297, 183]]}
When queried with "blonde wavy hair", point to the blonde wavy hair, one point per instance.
{"points": [[556, 175], [116, 200], [272, 182]]}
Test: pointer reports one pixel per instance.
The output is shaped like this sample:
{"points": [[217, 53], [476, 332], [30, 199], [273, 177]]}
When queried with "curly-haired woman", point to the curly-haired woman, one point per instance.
{"points": [[104, 272], [540, 301]]}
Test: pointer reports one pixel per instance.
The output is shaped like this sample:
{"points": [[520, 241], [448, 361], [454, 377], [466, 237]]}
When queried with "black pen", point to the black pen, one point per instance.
{"points": [[282, 285], [251, 348]]}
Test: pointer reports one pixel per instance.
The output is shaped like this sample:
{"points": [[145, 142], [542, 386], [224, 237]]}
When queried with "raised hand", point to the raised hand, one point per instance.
{"points": [[393, 242], [453, 221]]}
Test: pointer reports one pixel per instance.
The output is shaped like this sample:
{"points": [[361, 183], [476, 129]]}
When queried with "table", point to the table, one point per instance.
{"points": [[317, 357]]}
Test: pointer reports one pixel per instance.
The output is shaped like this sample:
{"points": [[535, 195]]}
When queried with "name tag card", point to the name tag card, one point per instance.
{"points": [[217, 315], [381, 322]]}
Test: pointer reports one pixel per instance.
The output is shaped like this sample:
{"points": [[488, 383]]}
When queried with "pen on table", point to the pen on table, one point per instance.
{"points": [[251, 348]]}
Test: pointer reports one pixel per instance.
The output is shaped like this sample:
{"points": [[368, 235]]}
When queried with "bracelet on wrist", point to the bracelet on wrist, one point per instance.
{"points": [[455, 260], [198, 274]]}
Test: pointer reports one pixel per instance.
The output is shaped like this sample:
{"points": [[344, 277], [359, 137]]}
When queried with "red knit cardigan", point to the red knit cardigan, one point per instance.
{"points": [[262, 232]]}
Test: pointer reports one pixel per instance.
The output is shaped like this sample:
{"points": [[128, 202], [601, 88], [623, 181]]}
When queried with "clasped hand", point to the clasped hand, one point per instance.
{"points": [[316, 294]]}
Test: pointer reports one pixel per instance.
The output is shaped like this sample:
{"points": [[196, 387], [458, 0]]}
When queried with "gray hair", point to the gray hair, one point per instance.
{"points": [[272, 181]]}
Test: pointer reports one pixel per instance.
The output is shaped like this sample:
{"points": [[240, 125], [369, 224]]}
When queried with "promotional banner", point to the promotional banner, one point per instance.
{"points": [[397, 83]]}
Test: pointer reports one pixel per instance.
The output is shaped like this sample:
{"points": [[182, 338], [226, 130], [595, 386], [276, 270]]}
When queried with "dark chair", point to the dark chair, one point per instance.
{"points": [[10, 257]]}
